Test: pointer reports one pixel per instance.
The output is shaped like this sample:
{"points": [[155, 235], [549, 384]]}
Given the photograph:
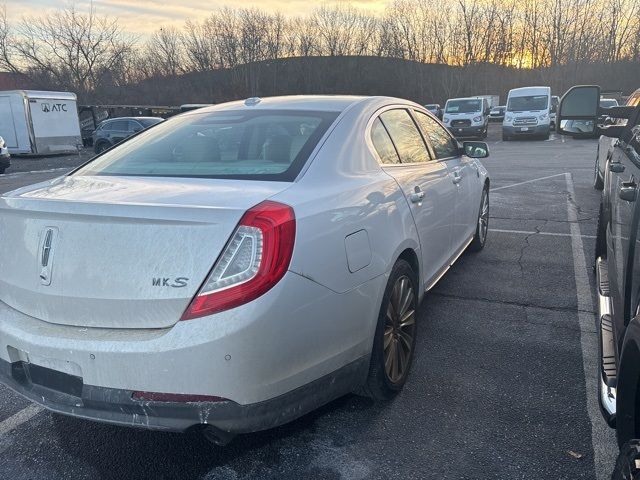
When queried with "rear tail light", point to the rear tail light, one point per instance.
{"points": [[253, 261]]}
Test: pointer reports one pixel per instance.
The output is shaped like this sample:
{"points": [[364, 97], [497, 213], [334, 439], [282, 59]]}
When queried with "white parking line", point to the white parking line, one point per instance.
{"points": [[602, 437], [19, 418], [552, 234], [527, 181], [20, 174]]}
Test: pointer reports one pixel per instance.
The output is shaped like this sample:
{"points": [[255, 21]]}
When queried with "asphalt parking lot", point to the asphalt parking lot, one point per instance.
{"points": [[503, 384]]}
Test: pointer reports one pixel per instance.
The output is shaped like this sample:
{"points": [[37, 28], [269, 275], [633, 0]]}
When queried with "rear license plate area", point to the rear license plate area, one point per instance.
{"points": [[29, 373]]}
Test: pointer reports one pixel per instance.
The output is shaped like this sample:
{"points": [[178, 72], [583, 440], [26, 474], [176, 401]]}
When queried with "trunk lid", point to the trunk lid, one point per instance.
{"points": [[117, 252]]}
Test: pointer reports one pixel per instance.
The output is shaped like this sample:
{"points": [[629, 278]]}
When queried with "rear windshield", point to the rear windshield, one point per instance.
{"points": [[464, 106], [259, 145], [608, 103], [528, 103], [148, 122]]}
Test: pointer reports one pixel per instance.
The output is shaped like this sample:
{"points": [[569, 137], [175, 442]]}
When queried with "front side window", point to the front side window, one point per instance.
{"points": [[383, 144], [528, 103], [443, 144], [464, 106], [405, 136], [260, 145], [633, 101]]}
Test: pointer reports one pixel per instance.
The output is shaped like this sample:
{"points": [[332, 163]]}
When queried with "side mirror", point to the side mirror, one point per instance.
{"points": [[578, 111], [475, 149]]}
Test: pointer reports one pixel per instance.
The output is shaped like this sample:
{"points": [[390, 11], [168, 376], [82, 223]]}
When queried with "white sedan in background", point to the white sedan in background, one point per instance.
{"points": [[236, 266]]}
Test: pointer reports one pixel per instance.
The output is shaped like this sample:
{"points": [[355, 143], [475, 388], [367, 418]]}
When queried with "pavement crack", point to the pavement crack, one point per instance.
{"points": [[511, 303], [526, 245]]}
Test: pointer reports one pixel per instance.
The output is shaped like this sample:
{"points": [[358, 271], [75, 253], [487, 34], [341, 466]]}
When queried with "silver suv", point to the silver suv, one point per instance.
{"points": [[115, 130]]}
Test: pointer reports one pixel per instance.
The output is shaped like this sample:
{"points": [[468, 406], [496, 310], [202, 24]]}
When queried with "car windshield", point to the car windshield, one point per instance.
{"points": [[608, 103], [258, 145], [431, 107], [528, 103], [464, 106]]}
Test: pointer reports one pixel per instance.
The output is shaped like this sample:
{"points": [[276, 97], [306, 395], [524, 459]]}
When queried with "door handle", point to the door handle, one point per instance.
{"points": [[457, 178], [616, 167], [628, 191], [417, 196]]}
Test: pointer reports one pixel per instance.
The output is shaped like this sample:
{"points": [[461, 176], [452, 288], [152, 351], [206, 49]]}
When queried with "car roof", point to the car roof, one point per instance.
{"points": [[539, 89], [132, 118], [328, 103]]}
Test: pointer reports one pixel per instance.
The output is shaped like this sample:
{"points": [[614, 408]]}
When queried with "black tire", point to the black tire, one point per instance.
{"points": [[382, 384], [505, 138], [482, 227], [626, 468], [546, 136], [100, 147], [2, 170]]}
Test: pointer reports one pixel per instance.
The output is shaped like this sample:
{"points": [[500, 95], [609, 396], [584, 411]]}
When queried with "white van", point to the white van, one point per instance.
{"points": [[39, 123], [467, 117], [528, 113]]}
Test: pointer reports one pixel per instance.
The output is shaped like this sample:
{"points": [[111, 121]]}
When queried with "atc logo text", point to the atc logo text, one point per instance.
{"points": [[56, 107]]}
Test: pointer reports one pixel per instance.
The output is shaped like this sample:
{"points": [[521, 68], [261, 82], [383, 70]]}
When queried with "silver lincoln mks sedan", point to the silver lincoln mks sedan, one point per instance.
{"points": [[236, 266]]}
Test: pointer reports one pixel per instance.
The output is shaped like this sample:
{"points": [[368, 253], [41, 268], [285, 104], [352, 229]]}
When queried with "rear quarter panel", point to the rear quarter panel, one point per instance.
{"points": [[344, 191]]}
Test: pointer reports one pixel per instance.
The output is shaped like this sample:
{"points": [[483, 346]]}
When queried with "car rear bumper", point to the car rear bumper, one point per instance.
{"points": [[118, 407], [534, 130], [261, 353]]}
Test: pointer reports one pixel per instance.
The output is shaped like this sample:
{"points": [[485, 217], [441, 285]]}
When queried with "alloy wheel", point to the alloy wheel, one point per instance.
{"points": [[399, 330], [483, 219]]}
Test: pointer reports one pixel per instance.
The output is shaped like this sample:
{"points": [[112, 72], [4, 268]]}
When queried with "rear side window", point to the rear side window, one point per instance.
{"points": [[260, 145], [134, 126], [383, 144], [443, 145], [405, 136], [118, 125]]}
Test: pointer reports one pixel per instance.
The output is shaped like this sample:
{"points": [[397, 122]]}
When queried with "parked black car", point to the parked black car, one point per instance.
{"points": [[435, 108], [115, 130], [5, 158], [617, 264]]}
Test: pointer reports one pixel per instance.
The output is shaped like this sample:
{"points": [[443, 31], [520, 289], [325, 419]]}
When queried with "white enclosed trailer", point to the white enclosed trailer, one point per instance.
{"points": [[493, 100], [39, 123]]}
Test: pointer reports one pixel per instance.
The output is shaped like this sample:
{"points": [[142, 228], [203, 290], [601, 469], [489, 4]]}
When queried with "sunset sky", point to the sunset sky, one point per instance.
{"points": [[144, 16]]}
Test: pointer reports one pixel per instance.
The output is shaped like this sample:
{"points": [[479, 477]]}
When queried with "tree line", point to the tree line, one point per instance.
{"points": [[92, 55]]}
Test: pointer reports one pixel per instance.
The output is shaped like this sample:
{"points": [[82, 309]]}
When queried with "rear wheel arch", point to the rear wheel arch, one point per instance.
{"points": [[411, 257], [628, 386]]}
